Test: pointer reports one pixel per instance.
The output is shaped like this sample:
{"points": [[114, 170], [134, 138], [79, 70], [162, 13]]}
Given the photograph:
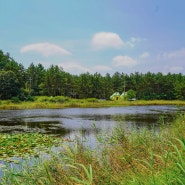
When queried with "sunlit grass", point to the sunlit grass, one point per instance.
{"points": [[62, 102]]}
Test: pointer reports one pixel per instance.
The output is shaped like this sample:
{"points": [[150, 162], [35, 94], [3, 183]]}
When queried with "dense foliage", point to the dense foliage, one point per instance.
{"points": [[16, 81]]}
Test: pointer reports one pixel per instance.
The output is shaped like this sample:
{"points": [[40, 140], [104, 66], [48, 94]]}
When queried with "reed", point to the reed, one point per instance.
{"points": [[143, 157]]}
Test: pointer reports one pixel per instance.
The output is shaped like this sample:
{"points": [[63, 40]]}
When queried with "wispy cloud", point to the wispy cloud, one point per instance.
{"points": [[176, 69], [104, 40], [124, 61], [144, 55], [46, 49], [74, 67], [170, 68], [102, 68], [173, 54], [133, 41]]}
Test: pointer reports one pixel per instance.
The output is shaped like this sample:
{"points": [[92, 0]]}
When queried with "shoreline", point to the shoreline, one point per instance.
{"points": [[82, 103]]}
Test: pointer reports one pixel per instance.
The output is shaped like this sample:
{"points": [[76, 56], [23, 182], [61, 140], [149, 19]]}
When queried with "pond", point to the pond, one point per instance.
{"points": [[84, 122], [69, 122]]}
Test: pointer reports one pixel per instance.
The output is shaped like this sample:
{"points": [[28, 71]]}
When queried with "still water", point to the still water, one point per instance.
{"points": [[84, 122], [70, 122]]}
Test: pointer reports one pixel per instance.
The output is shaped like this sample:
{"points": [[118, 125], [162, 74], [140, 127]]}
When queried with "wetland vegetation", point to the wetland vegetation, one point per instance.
{"points": [[63, 102], [24, 145], [144, 157]]}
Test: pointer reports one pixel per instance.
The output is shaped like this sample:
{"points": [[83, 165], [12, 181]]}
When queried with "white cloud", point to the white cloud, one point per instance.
{"points": [[46, 49], [176, 69], [133, 41], [144, 55], [104, 40], [101, 68], [173, 54], [124, 61], [74, 67]]}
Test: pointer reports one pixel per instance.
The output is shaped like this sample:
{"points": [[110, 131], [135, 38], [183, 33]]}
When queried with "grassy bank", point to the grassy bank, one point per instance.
{"points": [[143, 157], [62, 102]]}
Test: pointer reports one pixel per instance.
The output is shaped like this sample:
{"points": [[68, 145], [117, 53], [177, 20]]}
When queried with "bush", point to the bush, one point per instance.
{"points": [[58, 99], [15, 100], [92, 100], [30, 98], [131, 94]]}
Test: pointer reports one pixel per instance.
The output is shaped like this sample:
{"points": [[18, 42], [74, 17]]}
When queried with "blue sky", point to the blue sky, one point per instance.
{"points": [[102, 36]]}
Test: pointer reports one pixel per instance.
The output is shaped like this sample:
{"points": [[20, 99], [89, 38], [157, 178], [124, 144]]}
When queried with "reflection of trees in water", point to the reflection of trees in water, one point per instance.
{"points": [[19, 126], [95, 117], [138, 121], [137, 118], [55, 123], [87, 132]]}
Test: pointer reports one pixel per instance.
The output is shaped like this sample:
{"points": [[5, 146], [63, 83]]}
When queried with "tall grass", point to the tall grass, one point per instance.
{"points": [[62, 102], [140, 158]]}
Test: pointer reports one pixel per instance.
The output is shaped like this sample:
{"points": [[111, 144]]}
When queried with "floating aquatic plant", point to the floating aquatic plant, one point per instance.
{"points": [[25, 144]]}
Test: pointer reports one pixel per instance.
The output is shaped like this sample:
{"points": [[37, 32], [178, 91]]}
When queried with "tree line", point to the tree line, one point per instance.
{"points": [[16, 81]]}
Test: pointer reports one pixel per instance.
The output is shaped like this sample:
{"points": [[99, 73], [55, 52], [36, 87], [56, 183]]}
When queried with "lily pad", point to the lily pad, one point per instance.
{"points": [[22, 145]]}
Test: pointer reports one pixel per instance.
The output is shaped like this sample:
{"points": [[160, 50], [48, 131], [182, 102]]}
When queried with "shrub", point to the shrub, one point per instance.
{"points": [[30, 98], [15, 99], [58, 99], [92, 100]]}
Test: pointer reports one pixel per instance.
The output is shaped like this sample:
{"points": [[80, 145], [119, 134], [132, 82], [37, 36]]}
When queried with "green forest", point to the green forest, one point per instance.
{"points": [[18, 82]]}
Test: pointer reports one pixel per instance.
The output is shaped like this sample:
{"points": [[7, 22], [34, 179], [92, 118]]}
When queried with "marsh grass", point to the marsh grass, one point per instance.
{"points": [[62, 102], [145, 157]]}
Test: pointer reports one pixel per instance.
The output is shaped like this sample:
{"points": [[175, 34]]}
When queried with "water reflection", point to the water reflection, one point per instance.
{"points": [[70, 121], [84, 122]]}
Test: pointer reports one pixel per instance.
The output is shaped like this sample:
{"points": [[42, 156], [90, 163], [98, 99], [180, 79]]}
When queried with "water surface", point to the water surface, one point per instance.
{"points": [[69, 122], [84, 122]]}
